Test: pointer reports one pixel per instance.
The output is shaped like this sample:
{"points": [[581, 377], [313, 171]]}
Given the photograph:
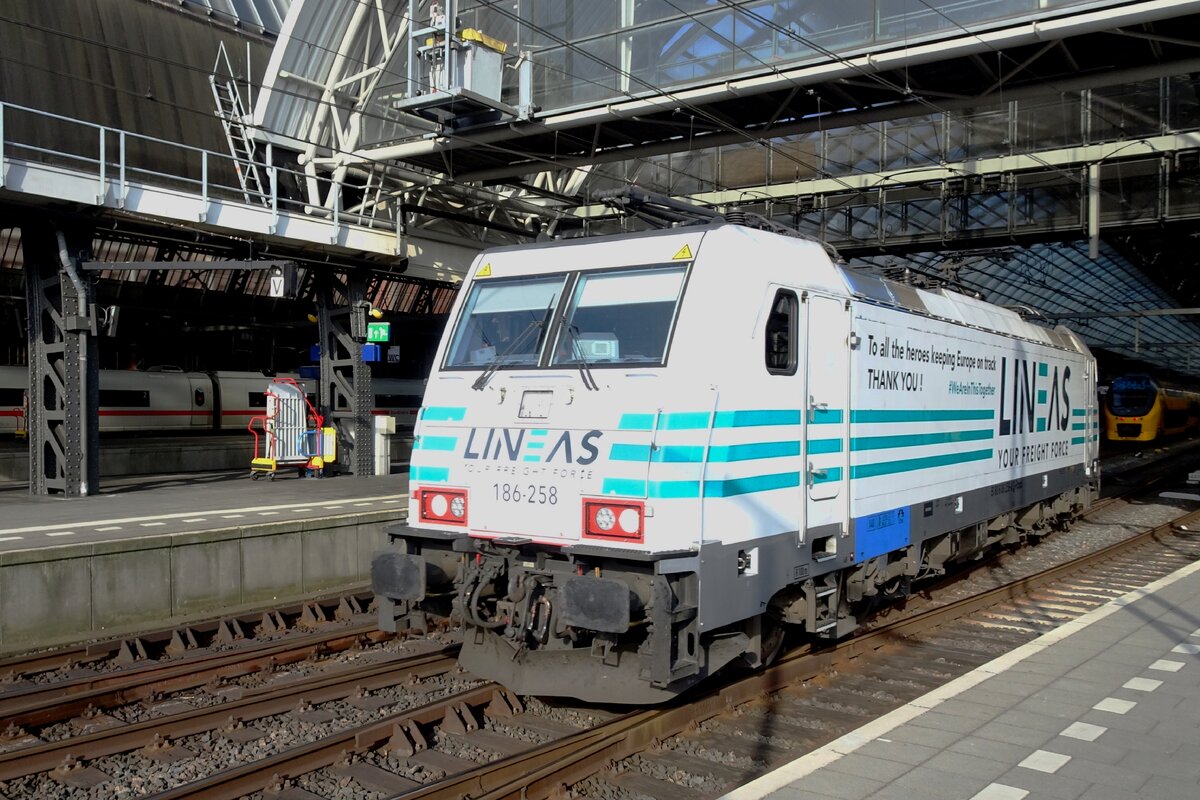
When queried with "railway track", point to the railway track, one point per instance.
{"points": [[172, 642], [44, 688], [482, 743], [383, 723]]}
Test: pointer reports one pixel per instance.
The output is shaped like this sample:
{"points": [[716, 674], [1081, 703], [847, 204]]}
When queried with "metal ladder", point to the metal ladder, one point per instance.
{"points": [[232, 113]]}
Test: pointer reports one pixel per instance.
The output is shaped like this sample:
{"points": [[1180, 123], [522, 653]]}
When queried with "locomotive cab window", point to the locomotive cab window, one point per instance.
{"points": [[505, 320], [622, 316], [780, 335]]}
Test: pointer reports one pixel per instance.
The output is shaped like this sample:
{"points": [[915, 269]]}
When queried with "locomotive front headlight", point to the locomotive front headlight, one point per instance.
{"points": [[442, 506], [614, 520], [438, 505], [605, 519]]}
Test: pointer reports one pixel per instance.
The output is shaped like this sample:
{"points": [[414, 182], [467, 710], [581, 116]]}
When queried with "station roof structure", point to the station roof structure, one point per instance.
{"points": [[627, 79], [868, 123], [1042, 153]]}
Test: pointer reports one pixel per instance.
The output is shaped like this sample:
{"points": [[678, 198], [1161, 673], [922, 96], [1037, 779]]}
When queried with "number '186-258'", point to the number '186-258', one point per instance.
{"points": [[536, 493]]}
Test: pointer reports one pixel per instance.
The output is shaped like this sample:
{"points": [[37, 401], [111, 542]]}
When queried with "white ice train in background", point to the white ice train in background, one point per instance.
{"points": [[171, 401], [640, 457]]}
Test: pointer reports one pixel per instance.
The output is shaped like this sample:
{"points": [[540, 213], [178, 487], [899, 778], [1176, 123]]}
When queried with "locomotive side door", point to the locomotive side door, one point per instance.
{"points": [[784, 338], [827, 417]]}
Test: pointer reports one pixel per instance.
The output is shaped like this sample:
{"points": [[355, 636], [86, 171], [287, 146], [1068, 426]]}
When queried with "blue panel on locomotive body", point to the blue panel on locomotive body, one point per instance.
{"points": [[639, 456]]}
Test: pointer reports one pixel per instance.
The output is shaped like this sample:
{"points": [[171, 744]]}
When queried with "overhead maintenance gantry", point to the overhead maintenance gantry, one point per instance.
{"points": [[1044, 153]]}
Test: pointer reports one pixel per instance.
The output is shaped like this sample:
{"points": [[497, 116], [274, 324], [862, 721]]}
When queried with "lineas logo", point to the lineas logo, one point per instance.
{"points": [[541, 446], [1034, 397]]}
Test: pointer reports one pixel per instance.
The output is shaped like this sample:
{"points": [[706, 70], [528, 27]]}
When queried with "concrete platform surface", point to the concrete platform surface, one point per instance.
{"points": [[164, 551], [1106, 707], [181, 503]]}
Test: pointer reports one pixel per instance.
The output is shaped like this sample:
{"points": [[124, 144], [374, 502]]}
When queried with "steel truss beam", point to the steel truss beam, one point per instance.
{"points": [[64, 374], [1036, 194], [345, 393], [1060, 158]]}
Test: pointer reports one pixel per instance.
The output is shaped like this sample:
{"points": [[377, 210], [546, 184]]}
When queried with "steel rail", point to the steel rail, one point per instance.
{"points": [[236, 782], [86, 652], [50, 703], [316, 689]]}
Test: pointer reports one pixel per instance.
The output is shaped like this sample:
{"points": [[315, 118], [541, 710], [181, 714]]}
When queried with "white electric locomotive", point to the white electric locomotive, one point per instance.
{"points": [[639, 457]]}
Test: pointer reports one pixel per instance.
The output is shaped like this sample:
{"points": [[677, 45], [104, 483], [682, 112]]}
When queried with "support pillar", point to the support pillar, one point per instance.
{"points": [[1093, 211], [64, 368], [346, 396]]}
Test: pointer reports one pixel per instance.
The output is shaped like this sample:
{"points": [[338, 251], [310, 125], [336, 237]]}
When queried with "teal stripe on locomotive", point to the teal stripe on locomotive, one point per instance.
{"points": [[636, 422], [829, 475], [668, 454], [443, 443], [750, 418], [827, 416], [633, 487], [435, 474], [718, 454], [920, 415], [699, 420], [643, 453], [729, 487], [702, 420], [443, 413], [684, 421], [913, 464], [723, 454], [860, 443]]}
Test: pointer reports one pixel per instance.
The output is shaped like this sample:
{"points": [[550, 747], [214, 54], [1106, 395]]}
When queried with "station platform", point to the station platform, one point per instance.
{"points": [[1105, 707], [164, 550], [122, 456]]}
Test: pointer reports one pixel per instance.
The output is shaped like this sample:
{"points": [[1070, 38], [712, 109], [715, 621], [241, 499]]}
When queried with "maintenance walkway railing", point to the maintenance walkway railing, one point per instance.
{"points": [[91, 164]]}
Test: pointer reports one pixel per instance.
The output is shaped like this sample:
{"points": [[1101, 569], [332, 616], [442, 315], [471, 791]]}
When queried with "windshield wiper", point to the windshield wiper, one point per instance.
{"points": [[585, 369], [501, 359]]}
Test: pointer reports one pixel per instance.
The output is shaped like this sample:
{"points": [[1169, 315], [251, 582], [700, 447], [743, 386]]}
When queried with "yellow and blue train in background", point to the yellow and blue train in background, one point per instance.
{"points": [[1140, 408]]}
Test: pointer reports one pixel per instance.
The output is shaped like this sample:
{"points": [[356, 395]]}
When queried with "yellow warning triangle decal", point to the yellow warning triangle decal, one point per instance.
{"points": [[485, 271], [685, 252]]}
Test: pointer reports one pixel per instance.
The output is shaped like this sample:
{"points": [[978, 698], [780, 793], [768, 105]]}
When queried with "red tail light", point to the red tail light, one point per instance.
{"points": [[616, 520], [443, 506]]}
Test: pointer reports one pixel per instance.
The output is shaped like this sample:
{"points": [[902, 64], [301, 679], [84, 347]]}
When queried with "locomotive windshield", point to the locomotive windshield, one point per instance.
{"points": [[622, 316], [1131, 397], [505, 318], [614, 316]]}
